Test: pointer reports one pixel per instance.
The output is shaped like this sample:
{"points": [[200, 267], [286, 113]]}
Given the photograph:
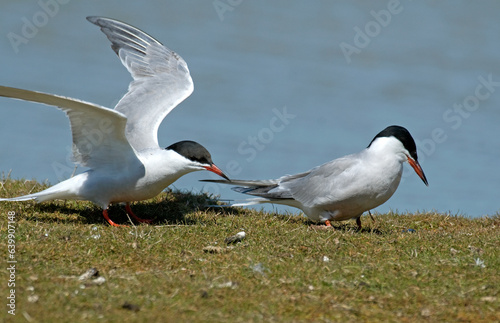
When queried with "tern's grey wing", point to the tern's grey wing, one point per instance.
{"points": [[279, 191], [98, 132], [325, 183], [161, 80]]}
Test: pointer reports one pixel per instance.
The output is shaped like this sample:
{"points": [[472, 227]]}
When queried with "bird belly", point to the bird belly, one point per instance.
{"points": [[139, 190], [104, 188], [354, 203]]}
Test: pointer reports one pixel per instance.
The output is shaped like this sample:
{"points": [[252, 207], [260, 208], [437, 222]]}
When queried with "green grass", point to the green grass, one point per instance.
{"points": [[446, 270]]}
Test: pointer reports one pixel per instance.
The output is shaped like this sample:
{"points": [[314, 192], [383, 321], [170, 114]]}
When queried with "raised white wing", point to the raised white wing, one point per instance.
{"points": [[98, 133], [161, 80]]}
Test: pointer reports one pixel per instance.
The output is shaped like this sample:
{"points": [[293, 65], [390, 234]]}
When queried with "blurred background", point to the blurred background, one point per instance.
{"points": [[280, 87]]}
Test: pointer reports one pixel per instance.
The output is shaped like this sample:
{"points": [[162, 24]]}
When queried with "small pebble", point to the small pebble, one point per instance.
{"points": [[98, 281], [33, 298], [92, 272], [131, 307], [425, 312], [259, 269], [236, 238], [229, 284], [212, 249]]}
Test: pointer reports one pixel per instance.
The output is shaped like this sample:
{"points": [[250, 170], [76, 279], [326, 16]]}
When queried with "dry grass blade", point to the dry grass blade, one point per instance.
{"points": [[404, 267]]}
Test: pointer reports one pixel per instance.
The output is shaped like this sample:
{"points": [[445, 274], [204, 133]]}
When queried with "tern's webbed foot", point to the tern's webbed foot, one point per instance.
{"points": [[106, 216]]}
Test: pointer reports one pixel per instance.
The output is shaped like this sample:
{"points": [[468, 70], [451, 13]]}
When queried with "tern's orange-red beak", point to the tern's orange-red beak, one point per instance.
{"points": [[416, 166], [216, 170]]}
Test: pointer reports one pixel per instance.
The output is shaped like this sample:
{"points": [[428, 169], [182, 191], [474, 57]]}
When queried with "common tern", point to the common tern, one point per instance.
{"points": [[120, 145], [343, 188]]}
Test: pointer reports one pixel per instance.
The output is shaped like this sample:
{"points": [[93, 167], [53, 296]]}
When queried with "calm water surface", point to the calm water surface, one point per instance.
{"points": [[340, 71]]}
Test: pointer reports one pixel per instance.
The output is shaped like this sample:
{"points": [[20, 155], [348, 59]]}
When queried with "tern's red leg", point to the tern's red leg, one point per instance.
{"points": [[105, 214], [129, 212], [371, 216], [358, 222], [327, 223]]}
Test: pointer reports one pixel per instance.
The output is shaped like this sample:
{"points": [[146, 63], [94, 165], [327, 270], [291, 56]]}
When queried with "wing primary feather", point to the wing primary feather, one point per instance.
{"points": [[161, 80], [98, 132]]}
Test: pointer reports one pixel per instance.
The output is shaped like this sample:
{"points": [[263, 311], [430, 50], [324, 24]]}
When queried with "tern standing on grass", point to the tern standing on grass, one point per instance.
{"points": [[120, 146], [343, 188]]}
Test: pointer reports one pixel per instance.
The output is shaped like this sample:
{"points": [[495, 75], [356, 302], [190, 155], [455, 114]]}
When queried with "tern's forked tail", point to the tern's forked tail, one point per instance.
{"points": [[62, 191], [45, 195], [247, 202]]}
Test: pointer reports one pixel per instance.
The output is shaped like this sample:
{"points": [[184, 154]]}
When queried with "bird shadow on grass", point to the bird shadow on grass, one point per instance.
{"points": [[170, 208], [302, 220], [344, 227]]}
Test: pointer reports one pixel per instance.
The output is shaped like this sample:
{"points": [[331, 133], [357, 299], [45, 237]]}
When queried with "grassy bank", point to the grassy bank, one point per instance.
{"points": [[445, 268]]}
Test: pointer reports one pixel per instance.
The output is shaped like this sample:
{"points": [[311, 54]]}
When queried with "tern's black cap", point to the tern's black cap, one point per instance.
{"points": [[402, 135], [192, 151]]}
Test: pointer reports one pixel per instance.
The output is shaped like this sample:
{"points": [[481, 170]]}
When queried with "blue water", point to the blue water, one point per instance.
{"points": [[430, 66]]}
